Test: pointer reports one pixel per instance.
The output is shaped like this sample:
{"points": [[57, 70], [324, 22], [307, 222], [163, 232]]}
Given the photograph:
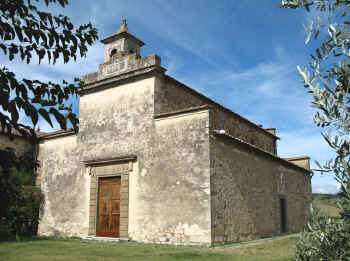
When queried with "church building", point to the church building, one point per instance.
{"points": [[156, 161]]}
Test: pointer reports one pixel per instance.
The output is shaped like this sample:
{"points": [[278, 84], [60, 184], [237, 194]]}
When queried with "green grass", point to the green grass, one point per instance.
{"points": [[326, 203], [41, 249]]}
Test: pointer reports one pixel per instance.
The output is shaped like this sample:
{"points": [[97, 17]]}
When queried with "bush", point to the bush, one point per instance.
{"points": [[326, 238], [21, 214], [24, 215]]}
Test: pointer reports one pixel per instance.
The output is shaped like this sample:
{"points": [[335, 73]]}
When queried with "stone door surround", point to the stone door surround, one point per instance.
{"points": [[115, 167]]}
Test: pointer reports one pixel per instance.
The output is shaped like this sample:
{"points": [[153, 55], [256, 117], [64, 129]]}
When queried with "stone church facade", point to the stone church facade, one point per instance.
{"points": [[156, 161]]}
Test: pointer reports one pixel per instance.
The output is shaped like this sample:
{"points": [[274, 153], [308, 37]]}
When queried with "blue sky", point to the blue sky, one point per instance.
{"points": [[243, 54]]}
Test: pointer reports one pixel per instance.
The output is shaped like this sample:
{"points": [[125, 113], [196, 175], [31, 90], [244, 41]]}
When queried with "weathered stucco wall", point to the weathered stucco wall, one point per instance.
{"points": [[118, 122], [64, 183], [169, 183], [113, 122], [178, 187], [245, 193], [170, 95], [157, 190]]}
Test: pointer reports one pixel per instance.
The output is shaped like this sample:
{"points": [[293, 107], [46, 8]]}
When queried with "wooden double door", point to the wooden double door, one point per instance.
{"points": [[108, 224]]}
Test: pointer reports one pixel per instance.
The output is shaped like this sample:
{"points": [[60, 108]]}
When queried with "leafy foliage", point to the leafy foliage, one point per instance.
{"points": [[27, 32], [326, 239], [328, 78], [20, 202]]}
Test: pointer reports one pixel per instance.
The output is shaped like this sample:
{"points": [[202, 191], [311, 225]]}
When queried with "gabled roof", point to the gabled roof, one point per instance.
{"points": [[123, 32]]}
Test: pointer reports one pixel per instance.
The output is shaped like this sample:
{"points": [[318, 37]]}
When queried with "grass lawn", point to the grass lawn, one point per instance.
{"points": [[51, 249]]}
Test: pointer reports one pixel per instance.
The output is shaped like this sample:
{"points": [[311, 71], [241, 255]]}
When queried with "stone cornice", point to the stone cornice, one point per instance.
{"points": [[184, 111], [94, 162], [120, 79]]}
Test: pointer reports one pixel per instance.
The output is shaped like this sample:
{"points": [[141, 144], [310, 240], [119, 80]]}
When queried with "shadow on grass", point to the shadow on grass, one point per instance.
{"points": [[35, 238]]}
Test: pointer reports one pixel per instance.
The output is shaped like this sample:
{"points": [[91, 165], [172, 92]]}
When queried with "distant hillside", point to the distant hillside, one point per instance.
{"points": [[326, 203]]}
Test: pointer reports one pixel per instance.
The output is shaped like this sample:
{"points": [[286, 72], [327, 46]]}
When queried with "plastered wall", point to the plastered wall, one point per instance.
{"points": [[245, 193], [169, 188], [113, 123], [64, 183], [180, 177]]}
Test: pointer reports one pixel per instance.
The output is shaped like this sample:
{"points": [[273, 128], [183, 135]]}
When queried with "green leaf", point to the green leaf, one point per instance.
{"points": [[317, 32], [13, 110], [4, 48], [46, 116], [319, 55], [74, 120], [60, 118], [19, 33], [31, 112], [308, 37]]}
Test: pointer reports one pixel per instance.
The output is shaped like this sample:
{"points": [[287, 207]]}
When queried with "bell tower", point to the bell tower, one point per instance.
{"points": [[122, 59], [121, 44]]}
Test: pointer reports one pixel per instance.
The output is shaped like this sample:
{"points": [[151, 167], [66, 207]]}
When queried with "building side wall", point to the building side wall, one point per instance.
{"points": [[177, 188], [171, 96], [245, 193], [64, 183], [239, 128]]}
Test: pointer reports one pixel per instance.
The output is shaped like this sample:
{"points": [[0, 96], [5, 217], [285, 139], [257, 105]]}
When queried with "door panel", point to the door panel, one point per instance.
{"points": [[109, 207], [116, 207]]}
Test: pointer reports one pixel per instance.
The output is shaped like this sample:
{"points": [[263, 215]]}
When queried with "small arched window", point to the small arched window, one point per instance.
{"points": [[113, 52]]}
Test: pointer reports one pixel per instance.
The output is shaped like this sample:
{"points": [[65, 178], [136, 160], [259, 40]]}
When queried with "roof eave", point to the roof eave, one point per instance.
{"points": [[275, 157], [114, 37]]}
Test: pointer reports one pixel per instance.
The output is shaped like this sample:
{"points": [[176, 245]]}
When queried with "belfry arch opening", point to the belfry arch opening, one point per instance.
{"points": [[113, 52]]}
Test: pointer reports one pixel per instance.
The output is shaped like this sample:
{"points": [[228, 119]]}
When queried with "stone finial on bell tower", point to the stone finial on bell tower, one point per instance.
{"points": [[121, 43], [122, 58], [123, 27]]}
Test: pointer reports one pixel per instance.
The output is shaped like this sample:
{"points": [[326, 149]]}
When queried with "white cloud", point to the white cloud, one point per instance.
{"points": [[171, 62], [325, 185], [304, 141], [269, 92]]}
